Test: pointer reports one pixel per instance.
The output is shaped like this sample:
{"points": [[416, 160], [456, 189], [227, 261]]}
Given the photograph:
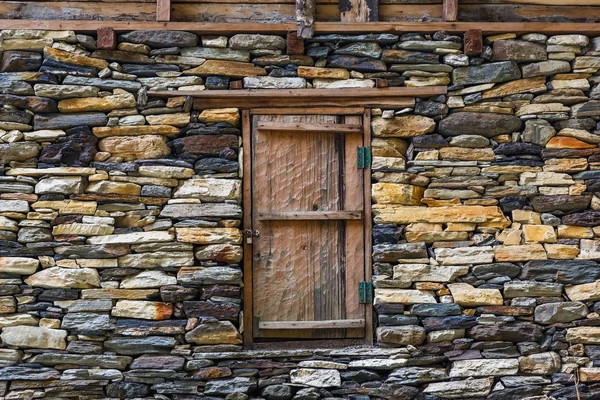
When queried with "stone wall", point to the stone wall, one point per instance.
{"points": [[120, 219]]}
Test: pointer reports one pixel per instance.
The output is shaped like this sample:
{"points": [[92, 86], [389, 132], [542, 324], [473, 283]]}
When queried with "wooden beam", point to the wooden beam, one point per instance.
{"points": [[310, 215], [305, 18], [209, 28], [323, 128], [450, 10], [332, 324], [359, 10], [163, 10]]}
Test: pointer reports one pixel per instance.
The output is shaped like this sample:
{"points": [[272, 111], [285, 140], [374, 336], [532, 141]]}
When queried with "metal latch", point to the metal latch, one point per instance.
{"points": [[364, 157], [249, 234], [365, 292]]}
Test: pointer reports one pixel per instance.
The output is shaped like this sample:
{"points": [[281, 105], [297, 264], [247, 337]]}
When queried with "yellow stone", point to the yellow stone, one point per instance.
{"points": [[574, 232], [385, 213], [397, 193], [565, 164], [131, 148], [465, 154], [233, 69], [460, 227], [539, 234], [72, 58], [521, 253], [529, 85], [124, 188], [403, 126], [502, 36], [526, 217], [389, 147], [165, 130], [67, 206], [107, 103], [216, 115], [510, 237], [558, 251], [177, 119], [468, 296], [430, 237], [209, 235], [428, 155], [430, 202], [328, 73]]}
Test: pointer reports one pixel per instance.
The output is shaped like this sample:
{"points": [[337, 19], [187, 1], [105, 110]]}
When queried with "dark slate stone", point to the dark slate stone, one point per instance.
{"points": [[587, 175], [144, 70], [516, 332], [510, 203], [220, 128], [104, 84], [174, 293], [77, 149], [490, 271], [17, 61], [486, 73], [485, 124], [58, 294], [451, 322], [31, 103], [27, 373], [155, 191], [360, 376], [569, 272], [205, 144], [363, 64], [277, 392], [318, 51], [561, 203], [127, 390], [587, 218], [111, 166], [587, 124], [137, 327], [518, 149], [397, 320], [93, 250], [158, 362], [165, 51], [434, 141], [12, 115], [157, 39], [386, 233], [214, 164], [61, 68], [217, 83], [592, 185], [431, 108], [435, 310], [170, 162], [86, 321], [393, 252], [65, 121], [221, 311], [143, 345], [410, 57]]}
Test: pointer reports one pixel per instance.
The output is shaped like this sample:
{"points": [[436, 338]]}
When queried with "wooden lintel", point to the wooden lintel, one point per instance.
{"points": [[310, 215], [305, 18], [332, 128], [210, 28], [450, 10], [163, 10], [332, 324]]}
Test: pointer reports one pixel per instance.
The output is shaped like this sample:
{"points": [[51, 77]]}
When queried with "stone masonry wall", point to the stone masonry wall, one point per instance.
{"points": [[120, 255]]}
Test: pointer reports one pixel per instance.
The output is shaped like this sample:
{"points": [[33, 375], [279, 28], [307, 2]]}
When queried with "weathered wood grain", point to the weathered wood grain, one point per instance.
{"points": [[163, 10], [305, 18], [359, 10], [450, 10]]}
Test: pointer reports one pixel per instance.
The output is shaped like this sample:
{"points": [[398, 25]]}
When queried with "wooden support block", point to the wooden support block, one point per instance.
{"points": [[235, 85], [359, 10], [473, 42], [305, 18], [295, 45], [381, 83], [163, 10], [450, 10], [106, 38]]}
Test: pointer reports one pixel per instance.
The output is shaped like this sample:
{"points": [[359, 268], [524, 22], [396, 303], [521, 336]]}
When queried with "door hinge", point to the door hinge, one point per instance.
{"points": [[365, 292], [364, 157]]}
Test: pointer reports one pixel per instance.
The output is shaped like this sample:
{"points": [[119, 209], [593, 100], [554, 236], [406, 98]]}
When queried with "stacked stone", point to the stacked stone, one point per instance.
{"points": [[487, 224], [120, 241]]}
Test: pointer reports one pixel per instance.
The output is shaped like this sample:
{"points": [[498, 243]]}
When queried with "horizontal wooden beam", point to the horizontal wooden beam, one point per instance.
{"points": [[361, 93], [310, 215], [487, 28], [332, 324], [323, 128]]}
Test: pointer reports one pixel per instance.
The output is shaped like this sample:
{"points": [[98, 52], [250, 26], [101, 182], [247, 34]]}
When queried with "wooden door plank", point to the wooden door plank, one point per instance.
{"points": [[450, 10], [317, 128], [359, 10], [247, 333], [310, 215], [368, 227], [305, 18], [353, 200], [331, 324]]}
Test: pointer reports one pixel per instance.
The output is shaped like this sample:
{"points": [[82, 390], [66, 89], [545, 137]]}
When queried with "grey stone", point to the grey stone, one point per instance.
{"points": [[553, 313], [486, 73], [161, 38], [484, 124]]}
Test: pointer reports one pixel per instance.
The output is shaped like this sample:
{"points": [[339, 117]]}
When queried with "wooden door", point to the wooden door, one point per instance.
{"points": [[307, 216]]}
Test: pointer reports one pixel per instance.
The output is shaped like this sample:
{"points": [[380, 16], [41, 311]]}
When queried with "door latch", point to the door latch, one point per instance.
{"points": [[365, 292], [249, 234], [364, 157]]}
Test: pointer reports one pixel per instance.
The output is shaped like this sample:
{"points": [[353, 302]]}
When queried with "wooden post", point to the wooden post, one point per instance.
{"points": [[305, 17], [359, 10], [106, 38], [163, 10], [450, 10], [473, 42]]}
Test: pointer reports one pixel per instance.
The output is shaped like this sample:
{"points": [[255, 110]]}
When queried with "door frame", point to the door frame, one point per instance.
{"points": [[247, 331]]}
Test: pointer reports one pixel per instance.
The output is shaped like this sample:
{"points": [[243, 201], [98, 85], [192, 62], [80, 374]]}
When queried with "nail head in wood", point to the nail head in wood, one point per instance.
{"points": [[106, 38]]}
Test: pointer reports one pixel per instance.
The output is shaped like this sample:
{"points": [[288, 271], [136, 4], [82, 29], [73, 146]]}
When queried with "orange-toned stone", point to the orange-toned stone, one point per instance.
{"points": [[564, 142]]}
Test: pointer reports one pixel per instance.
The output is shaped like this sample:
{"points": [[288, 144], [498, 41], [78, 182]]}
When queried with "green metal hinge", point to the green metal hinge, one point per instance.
{"points": [[365, 292], [364, 157]]}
